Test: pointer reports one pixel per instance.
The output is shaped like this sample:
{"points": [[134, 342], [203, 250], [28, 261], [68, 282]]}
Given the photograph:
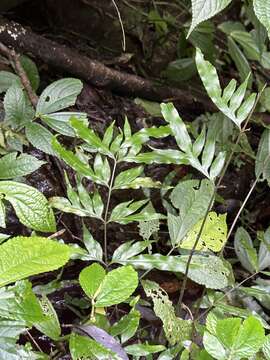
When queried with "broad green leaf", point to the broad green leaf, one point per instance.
{"points": [[60, 121], [227, 330], [262, 11], [153, 108], [31, 71], [177, 125], [204, 10], [84, 347], [248, 43], [264, 251], [50, 325], [30, 205], [21, 257], [143, 349], [90, 279], [12, 166], [206, 270], [245, 250], [39, 137], [59, 95], [262, 164], [266, 347], [117, 286], [192, 199], [89, 136], [20, 303], [18, 110], [176, 329], [126, 326], [213, 236], [7, 79], [214, 347]]}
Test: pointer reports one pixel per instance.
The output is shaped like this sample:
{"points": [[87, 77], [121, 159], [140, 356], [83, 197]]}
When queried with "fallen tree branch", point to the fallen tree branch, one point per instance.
{"points": [[14, 59], [92, 71]]}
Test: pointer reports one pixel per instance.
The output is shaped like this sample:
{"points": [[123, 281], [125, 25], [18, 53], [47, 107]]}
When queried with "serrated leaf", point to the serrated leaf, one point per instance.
{"points": [[20, 303], [7, 79], [60, 121], [262, 11], [18, 110], [176, 329], [12, 166], [50, 325], [90, 279], [192, 199], [206, 270], [205, 9], [39, 137], [213, 236], [59, 95], [30, 205], [117, 286], [21, 257]]}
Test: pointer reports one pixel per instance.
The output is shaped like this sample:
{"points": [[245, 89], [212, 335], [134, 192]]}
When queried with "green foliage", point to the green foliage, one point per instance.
{"points": [[176, 329], [262, 11], [30, 205], [262, 164], [232, 339], [21, 257], [108, 289], [192, 199], [230, 101], [206, 10], [213, 236]]}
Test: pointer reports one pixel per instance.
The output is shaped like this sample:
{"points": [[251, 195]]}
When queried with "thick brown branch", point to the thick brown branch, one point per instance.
{"points": [[14, 59], [94, 72]]}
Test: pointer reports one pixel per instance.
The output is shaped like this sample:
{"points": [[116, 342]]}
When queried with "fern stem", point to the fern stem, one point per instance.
{"points": [[105, 242]]}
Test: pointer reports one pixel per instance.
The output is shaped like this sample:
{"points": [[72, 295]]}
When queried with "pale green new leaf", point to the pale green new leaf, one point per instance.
{"points": [[205, 9], [39, 137], [30, 205], [18, 110], [213, 236], [21, 257], [262, 11], [176, 329], [117, 286], [206, 270], [126, 326], [12, 166], [90, 279], [59, 95]]}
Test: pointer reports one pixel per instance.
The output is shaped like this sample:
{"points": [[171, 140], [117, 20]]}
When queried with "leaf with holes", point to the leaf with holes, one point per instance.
{"points": [[176, 329], [213, 236], [58, 96]]}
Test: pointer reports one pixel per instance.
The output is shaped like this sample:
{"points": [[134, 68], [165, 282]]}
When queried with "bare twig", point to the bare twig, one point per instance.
{"points": [[14, 59]]}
